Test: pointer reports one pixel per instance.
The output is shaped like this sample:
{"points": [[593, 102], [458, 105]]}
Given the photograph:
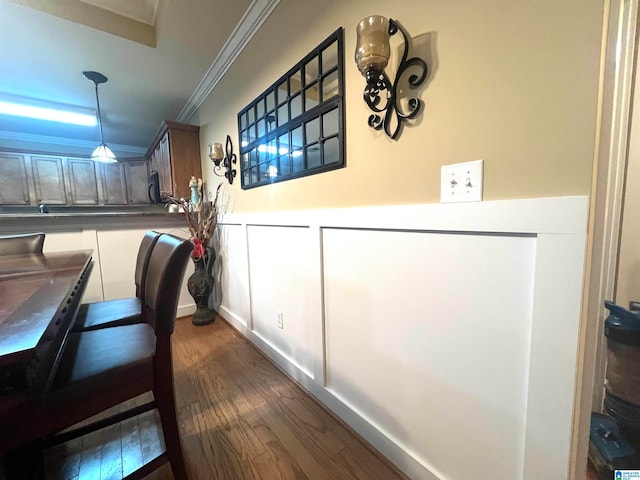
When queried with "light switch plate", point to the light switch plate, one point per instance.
{"points": [[461, 182]]}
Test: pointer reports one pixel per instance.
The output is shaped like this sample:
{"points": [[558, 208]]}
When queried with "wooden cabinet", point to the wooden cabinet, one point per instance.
{"points": [[137, 179], [14, 182], [49, 180], [114, 187], [29, 178], [82, 182], [175, 154]]}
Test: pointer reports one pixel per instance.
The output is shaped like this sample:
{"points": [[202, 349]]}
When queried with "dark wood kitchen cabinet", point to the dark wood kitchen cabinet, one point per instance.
{"points": [[175, 154], [29, 178], [137, 179], [114, 186], [83, 186], [14, 182], [49, 180]]}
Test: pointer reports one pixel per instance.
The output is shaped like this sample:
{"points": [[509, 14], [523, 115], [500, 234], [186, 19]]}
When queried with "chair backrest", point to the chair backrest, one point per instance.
{"points": [[164, 277], [22, 244], [142, 263]]}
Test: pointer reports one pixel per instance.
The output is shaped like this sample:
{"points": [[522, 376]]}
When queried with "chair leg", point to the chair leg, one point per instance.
{"points": [[165, 400]]}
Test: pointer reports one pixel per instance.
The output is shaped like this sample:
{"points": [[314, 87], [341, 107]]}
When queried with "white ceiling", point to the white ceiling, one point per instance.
{"points": [[43, 55]]}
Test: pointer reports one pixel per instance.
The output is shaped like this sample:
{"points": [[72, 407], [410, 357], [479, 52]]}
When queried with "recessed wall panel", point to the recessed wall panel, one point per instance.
{"points": [[453, 313], [280, 277]]}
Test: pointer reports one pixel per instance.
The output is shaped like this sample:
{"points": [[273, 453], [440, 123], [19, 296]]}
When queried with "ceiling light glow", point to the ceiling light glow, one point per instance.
{"points": [[51, 114]]}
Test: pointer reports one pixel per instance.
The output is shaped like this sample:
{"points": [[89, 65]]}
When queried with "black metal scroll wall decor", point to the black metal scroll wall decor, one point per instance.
{"points": [[372, 56], [224, 159]]}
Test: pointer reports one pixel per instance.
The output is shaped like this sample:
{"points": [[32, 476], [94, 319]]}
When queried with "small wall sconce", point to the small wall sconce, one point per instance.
{"points": [[223, 160], [372, 56]]}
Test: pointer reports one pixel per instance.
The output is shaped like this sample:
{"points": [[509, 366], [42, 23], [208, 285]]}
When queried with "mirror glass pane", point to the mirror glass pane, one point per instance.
{"points": [[311, 71], [330, 123], [271, 101], [331, 151], [283, 144], [284, 165], [330, 87], [330, 58], [296, 106], [281, 92], [272, 149], [295, 83], [283, 114], [297, 162], [313, 156], [262, 129], [312, 129], [311, 97], [296, 138], [260, 109], [251, 133], [253, 157]]}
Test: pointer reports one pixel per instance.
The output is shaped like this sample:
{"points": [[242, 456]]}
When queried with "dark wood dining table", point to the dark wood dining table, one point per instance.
{"points": [[39, 299]]}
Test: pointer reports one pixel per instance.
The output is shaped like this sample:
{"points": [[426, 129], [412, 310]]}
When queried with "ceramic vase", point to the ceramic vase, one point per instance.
{"points": [[200, 286]]}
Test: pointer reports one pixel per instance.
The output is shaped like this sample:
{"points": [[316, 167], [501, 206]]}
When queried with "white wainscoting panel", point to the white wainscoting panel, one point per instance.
{"points": [[427, 335], [445, 335], [280, 274], [232, 252]]}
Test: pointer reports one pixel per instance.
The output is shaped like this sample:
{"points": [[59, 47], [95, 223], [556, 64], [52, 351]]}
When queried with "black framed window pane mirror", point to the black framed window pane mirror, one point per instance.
{"points": [[296, 126]]}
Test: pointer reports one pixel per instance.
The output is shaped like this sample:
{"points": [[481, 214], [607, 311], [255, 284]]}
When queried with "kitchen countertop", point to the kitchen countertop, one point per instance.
{"points": [[25, 219]]}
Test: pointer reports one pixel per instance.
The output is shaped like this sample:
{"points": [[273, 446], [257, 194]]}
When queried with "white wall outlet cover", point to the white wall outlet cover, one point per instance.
{"points": [[461, 182]]}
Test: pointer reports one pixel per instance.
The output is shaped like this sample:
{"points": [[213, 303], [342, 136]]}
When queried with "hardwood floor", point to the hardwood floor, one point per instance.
{"points": [[240, 418]]}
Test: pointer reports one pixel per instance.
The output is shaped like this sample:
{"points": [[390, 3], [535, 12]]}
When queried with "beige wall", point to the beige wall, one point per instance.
{"points": [[511, 82], [628, 278]]}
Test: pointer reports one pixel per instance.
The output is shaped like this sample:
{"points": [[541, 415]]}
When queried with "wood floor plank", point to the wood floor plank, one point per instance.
{"points": [[131, 442], [111, 454], [240, 417], [91, 457], [150, 435], [63, 461], [192, 442]]}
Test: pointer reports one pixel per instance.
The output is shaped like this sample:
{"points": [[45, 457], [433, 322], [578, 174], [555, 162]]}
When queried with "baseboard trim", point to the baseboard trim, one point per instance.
{"points": [[395, 456]]}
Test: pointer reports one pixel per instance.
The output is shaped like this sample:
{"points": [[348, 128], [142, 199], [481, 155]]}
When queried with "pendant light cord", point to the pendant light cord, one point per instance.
{"points": [[99, 116]]}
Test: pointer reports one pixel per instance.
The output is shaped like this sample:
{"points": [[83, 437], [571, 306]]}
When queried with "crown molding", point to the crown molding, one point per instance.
{"points": [[68, 142], [252, 20]]}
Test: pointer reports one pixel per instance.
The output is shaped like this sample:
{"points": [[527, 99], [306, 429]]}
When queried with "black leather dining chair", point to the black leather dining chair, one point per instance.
{"points": [[103, 368], [122, 311], [21, 244]]}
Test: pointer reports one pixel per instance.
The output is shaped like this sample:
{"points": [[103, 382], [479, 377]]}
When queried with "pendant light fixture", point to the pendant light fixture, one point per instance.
{"points": [[102, 153]]}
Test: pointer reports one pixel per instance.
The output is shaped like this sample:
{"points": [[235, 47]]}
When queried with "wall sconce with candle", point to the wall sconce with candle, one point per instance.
{"points": [[224, 159], [372, 56]]}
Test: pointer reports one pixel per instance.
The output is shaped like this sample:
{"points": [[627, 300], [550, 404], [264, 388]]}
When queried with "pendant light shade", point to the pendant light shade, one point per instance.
{"points": [[102, 153]]}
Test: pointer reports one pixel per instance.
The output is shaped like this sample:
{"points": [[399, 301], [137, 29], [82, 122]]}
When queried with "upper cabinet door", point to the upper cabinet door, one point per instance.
{"points": [[175, 154], [48, 179], [137, 177], [14, 186], [83, 186], [164, 167], [114, 187]]}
